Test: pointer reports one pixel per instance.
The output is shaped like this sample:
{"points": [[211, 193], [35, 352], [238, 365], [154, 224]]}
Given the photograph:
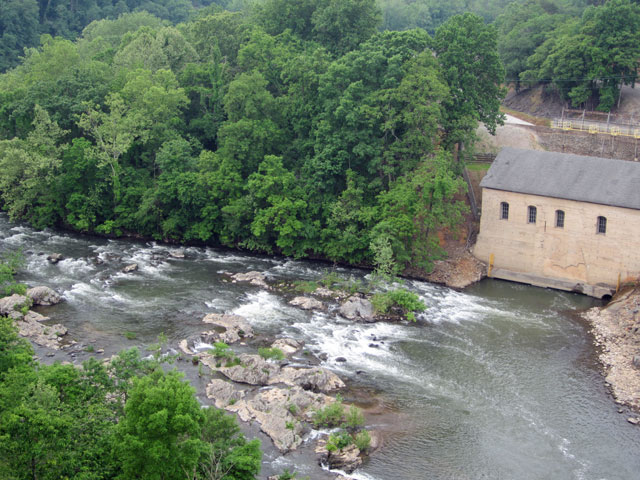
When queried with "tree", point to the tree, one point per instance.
{"points": [[416, 207], [466, 49], [27, 171], [159, 436], [18, 30]]}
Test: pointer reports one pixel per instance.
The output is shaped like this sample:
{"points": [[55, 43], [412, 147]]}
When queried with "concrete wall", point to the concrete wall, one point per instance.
{"points": [[585, 143], [571, 258]]}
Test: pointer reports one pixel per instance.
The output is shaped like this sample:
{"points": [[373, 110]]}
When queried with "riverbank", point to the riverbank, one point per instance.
{"points": [[616, 329]]}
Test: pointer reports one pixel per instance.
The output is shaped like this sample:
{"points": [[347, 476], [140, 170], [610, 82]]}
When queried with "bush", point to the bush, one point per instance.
{"points": [[329, 416], [401, 299], [354, 418], [362, 440], [338, 441], [271, 353], [221, 352], [9, 265]]}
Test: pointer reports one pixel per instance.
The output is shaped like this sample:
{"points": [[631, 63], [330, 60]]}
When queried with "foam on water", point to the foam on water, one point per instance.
{"points": [[266, 309]]}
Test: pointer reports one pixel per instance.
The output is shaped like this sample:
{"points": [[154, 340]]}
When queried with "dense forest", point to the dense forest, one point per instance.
{"points": [[296, 127], [318, 128]]}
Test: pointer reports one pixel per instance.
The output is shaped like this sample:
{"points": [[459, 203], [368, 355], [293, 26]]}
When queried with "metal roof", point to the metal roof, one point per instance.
{"points": [[573, 177]]}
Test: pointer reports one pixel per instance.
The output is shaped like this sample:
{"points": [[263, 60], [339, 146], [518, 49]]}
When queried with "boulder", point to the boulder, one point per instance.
{"points": [[346, 459], [223, 393], [179, 253], [55, 258], [44, 296], [35, 317], [130, 268], [356, 308], [288, 346], [13, 303], [254, 278], [253, 370], [316, 379], [234, 328], [636, 361], [307, 303], [184, 346]]}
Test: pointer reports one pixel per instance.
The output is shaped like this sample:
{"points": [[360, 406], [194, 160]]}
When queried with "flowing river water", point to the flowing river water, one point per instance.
{"points": [[497, 382]]}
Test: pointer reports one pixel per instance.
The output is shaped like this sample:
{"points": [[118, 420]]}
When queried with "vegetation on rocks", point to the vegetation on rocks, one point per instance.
{"points": [[400, 300]]}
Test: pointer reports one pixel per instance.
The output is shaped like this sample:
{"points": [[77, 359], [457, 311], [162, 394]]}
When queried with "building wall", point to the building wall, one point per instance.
{"points": [[575, 254]]}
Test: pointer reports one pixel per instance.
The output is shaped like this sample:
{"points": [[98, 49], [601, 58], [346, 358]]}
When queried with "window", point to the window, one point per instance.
{"points": [[533, 212], [602, 224], [560, 218], [504, 211]]}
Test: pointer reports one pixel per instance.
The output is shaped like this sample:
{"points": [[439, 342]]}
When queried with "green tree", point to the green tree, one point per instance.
{"points": [[466, 49], [159, 436]]}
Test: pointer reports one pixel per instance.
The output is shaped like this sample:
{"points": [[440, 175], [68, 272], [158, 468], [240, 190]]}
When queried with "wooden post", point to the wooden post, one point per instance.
{"points": [[491, 258]]}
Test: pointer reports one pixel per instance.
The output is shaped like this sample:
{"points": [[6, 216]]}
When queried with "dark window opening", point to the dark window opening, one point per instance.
{"points": [[560, 218], [602, 224], [504, 211], [533, 212]]}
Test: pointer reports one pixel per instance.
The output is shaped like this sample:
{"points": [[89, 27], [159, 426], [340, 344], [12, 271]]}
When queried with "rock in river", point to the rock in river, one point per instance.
{"points": [[13, 303], [55, 258], [130, 268], [307, 303], [356, 308], [43, 296]]}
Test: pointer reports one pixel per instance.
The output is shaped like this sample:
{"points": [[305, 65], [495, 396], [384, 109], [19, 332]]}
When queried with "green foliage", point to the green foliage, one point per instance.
{"points": [[329, 416], [401, 300], [10, 263], [354, 418], [271, 353], [130, 335], [293, 128], [362, 440], [337, 441]]}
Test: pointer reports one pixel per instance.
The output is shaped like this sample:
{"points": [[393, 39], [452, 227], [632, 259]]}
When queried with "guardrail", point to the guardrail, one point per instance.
{"points": [[614, 130]]}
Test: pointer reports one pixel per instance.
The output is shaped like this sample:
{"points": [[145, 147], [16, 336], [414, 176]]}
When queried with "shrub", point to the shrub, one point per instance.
{"points": [[401, 299], [9, 265], [293, 409], [338, 441], [354, 418], [271, 353], [362, 440], [129, 335], [303, 286], [222, 352], [329, 416]]}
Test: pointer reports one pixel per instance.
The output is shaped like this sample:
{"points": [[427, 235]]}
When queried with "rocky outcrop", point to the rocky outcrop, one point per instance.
{"points": [[254, 278], [253, 370], [55, 258], [616, 329], [307, 303], [357, 308], [235, 327], [288, 346], [44, 335], [177, 254], [223, 393], [12, 304], [346, 459], [279, 412], [44, 296], [316, 379], [130, 268]]}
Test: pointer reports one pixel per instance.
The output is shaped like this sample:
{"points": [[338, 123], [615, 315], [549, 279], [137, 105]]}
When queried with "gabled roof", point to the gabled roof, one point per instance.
{"points": [[561, 175]]}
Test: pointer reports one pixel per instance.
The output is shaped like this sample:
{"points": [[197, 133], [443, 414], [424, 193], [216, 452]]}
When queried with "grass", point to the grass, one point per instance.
{"points": [[129, 335], [478, 167]]}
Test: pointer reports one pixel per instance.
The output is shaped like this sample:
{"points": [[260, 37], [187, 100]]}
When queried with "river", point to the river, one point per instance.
{"points": [[497, 382]]}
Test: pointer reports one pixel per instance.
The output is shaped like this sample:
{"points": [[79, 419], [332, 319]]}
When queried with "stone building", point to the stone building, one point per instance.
{"points": [[561, 221]]}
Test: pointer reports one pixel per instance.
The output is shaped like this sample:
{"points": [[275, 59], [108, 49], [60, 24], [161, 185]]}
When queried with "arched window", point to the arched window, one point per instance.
{"points": [[533, 213], [602, 225], [560, 218], [504, 211]]}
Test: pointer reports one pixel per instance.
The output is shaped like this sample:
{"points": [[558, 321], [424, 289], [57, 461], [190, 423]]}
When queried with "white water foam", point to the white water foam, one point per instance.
{"points": [[266, 309]]}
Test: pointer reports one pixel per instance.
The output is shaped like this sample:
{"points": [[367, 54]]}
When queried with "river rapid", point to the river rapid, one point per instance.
{"points": [[497, 382]]}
